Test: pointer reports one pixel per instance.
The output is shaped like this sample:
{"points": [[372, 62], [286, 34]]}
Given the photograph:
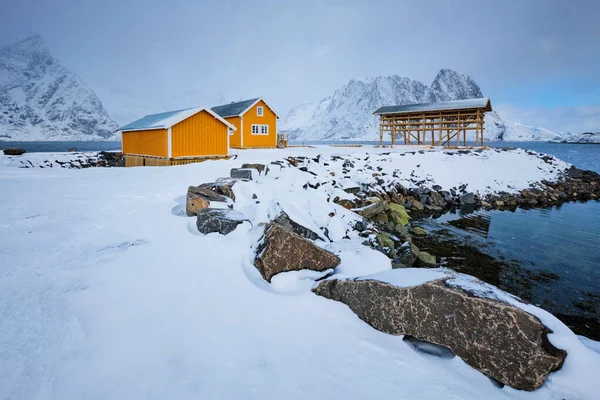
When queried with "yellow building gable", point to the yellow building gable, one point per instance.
{"points": [[255, 122]]}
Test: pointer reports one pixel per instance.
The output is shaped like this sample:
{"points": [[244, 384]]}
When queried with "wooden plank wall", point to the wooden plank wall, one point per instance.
{"points": [[132, 160]]}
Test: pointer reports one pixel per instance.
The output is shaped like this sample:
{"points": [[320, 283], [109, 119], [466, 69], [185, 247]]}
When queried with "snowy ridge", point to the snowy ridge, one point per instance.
{"points": [[347, 114], [42, 100]]}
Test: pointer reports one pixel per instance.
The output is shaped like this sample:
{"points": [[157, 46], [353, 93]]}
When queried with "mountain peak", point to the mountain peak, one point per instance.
{"points": [[29, 45], [451, 85], [42, 100], [348, 113]]}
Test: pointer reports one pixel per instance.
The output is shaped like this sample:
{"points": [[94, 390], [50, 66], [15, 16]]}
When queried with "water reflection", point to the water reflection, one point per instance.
{"points": [[550, 257]]}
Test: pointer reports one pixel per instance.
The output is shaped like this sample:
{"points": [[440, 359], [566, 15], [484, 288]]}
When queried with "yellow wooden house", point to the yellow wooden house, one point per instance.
{"points": [[255, 122], [176, 137]]}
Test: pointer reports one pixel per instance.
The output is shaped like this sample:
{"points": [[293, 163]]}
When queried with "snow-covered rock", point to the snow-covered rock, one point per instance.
{"points": [[348, 113], [42, 100], [586, 137]]}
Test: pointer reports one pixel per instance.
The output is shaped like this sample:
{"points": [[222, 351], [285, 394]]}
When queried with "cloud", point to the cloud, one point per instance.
{"points": [[574, 119]]}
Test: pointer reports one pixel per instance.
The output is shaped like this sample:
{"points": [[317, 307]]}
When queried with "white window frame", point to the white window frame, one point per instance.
{"points": [[260, 111], [260, 129]]}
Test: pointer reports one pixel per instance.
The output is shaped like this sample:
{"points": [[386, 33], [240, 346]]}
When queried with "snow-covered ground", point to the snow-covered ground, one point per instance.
{"points": [[108, 291]]}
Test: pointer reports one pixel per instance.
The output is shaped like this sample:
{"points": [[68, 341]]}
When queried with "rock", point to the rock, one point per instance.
{"points": [[485, 204], [467, 198], [371, 210], [241, 173], [111, 159], [199, 197], [437, 198], [402, 231], [424, 259], [499, 203], [500, 340], [405, 257], [222, 220], [284, 220], [385, 240], [223, 186], [417, 205], [282, 250], [398, 213], [381, 218], [259, 167], [417, 230], [14, 152], [352, 189], [347, 204]]}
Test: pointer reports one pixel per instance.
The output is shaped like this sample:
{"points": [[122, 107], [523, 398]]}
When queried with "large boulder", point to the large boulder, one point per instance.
{"points": [[371, 210], [199, 197], [285, 220], [500, 340], [398, 213], [282, 250], [221, 220]]}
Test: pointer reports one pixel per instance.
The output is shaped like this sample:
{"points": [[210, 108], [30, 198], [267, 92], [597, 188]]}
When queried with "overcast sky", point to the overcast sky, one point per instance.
{"points": [[539, 60]]}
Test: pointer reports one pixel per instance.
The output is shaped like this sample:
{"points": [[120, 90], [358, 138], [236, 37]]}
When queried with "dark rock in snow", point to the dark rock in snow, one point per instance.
{"points": [[241, 173], [500, 340], [284, 220], [14, 152], [259, 167], [219, 220], [405, 257], [282, 250]]}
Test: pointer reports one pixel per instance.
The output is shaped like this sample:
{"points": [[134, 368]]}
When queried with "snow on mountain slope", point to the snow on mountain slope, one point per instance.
{"points": [[348, 113], [42, 100], [498, 129]]}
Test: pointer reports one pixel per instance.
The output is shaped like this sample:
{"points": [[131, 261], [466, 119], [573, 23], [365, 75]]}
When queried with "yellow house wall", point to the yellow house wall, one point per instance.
{"points": [[199, 135], [151, 143], [268, 118], [235, 139]]}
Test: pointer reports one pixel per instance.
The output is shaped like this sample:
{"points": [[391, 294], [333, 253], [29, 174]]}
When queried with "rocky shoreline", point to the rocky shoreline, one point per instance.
{"points": [[455, 311], [71, 160], [391, 215]]}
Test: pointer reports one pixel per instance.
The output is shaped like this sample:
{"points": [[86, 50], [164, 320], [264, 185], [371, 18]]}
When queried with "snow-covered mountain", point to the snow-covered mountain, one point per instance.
{"points": [[347, 114], [42, 100]]}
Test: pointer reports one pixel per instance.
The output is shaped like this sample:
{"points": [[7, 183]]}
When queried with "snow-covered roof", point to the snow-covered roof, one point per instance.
{"points": [[167, 119], [239, 108], [443, 105]]}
